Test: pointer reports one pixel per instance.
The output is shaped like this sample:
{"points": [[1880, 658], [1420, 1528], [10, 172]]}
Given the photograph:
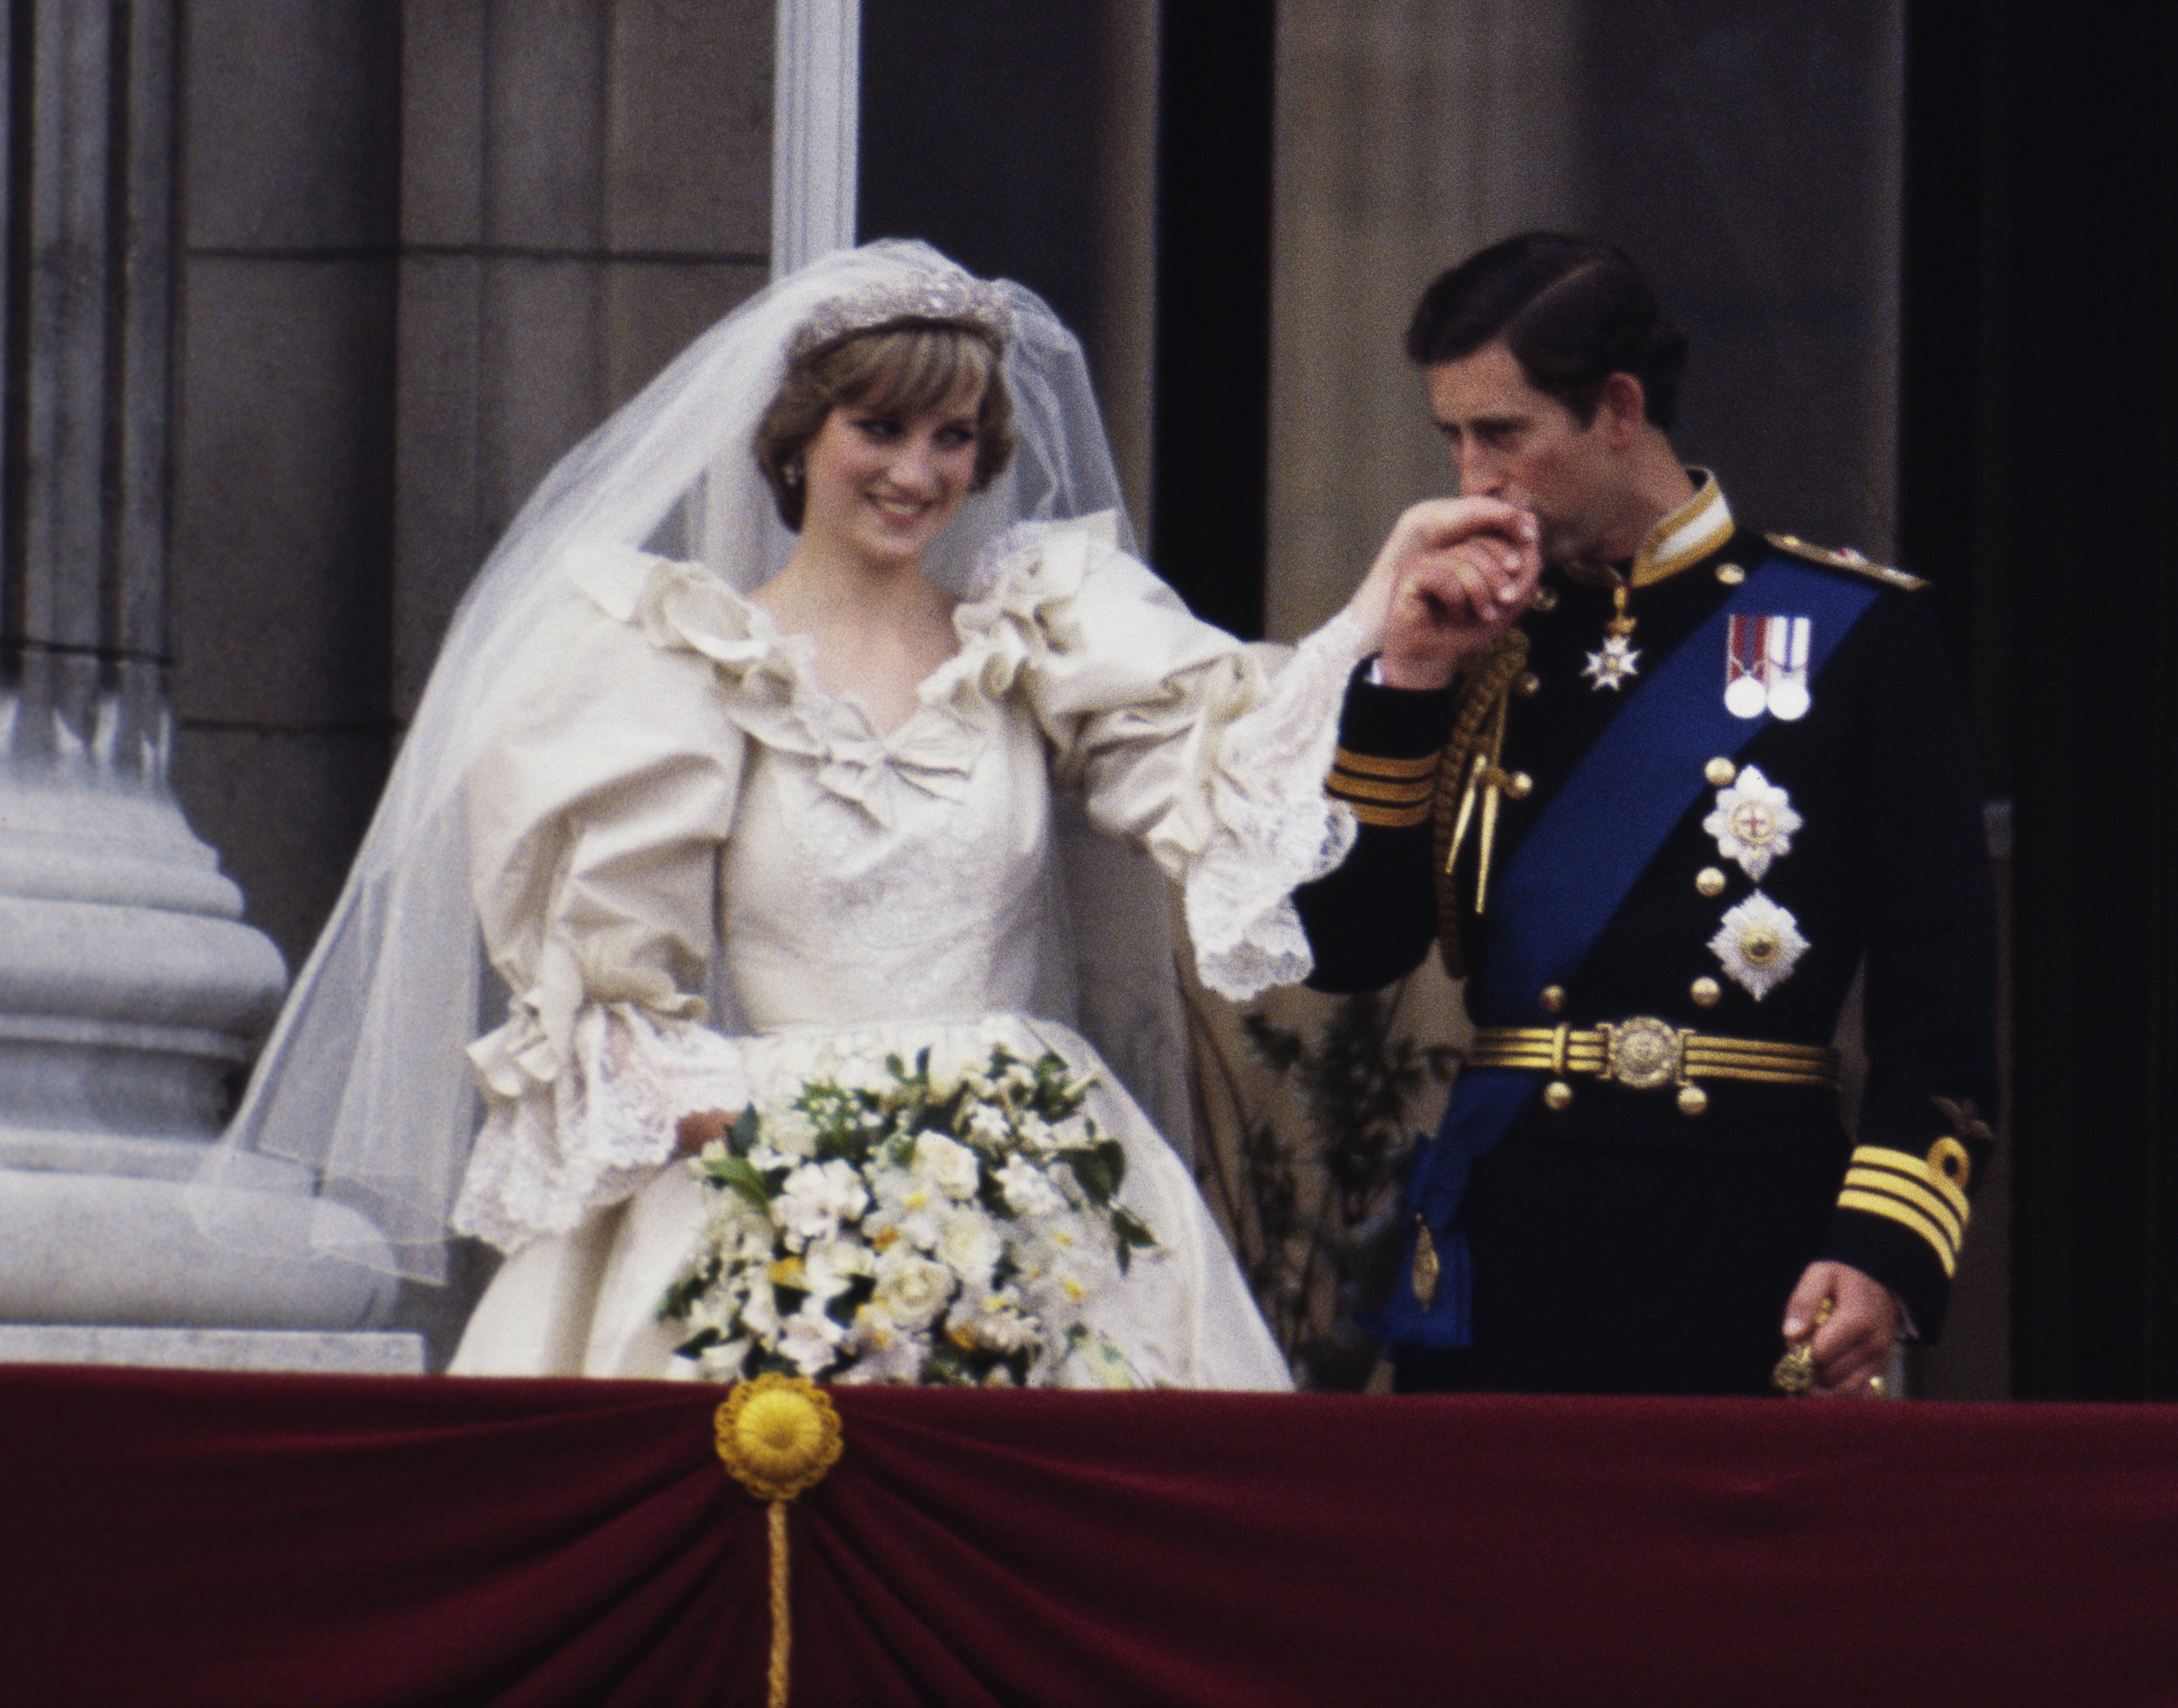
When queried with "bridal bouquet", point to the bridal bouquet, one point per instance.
{"points": [[909, 1227]]}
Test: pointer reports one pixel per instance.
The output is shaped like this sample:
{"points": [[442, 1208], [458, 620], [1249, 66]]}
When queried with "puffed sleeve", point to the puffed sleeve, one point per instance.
{"points": [[595, 818], [1209, 753]]}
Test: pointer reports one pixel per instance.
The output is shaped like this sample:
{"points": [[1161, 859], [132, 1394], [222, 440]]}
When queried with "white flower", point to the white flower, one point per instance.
{"points": [[1026, 1189], [815, 1198], [907, 1208], [988, 1127], [829, 1266], [998, 1324], [724, 1363], [1073, 1133], [811, 1341], [1018, 1082], [951, 1167], [884, 1351], [1067, 1272], [759, 1309], [911, 1289], [788, 1130], [969, 1246], [1753, 822]]}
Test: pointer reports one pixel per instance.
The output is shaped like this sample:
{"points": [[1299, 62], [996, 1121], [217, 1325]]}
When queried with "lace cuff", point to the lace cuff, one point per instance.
{"points": [[1276, 828], [564, 1137]]}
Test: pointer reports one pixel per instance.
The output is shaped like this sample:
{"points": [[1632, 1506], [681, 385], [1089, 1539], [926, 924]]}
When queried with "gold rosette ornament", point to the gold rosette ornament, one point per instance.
{"points": [[778, 1436]]}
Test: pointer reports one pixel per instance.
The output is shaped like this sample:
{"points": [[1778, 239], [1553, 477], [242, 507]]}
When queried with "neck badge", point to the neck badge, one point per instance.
{"points": [[1616, 662], [1766, 666]]}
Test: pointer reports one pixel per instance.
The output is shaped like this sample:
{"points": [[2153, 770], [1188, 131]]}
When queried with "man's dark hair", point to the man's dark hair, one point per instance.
{"points": [[1572, 310]]}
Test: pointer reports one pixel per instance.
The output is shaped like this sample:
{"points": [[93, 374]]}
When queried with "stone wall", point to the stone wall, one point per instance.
{"points": [[425, 247]]}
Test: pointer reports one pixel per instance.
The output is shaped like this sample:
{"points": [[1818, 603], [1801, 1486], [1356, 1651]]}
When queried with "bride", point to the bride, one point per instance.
{"points": [[750, 758]]}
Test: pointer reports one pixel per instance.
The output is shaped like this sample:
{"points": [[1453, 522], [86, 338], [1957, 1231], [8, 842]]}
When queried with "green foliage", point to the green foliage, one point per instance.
{"points": [[1320, 1192]]}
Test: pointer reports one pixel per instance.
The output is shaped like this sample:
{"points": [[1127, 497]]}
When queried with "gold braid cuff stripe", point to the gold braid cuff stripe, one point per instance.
{"points": [[1389, 818], [1645, 1054], [1882, 1180], [1876, 1203], [1368, 788], [1368, 764], [1916, 1169]]}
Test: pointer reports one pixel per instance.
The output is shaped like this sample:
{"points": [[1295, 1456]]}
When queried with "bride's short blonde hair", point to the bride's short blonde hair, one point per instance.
{"points": [[900, 369]]}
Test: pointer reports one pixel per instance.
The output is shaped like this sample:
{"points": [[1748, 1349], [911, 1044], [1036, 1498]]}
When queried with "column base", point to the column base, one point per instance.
{"points": [[320, 1354]]}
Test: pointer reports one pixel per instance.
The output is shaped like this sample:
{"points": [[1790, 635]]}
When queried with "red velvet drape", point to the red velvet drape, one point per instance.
{"points": [[189, 1538]]}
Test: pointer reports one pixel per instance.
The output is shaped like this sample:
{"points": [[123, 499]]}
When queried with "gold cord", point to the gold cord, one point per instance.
{"points": [[777, 1436], [781, 1610], [1484, 685]]}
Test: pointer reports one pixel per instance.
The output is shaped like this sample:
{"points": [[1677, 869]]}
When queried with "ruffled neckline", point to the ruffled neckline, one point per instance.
{"points": [[1016, 612]]}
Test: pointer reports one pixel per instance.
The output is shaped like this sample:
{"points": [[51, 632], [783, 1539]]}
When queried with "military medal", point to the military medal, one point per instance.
{"points": [[1766, 666], [1753, 823], [1616, 662], [1759, 944], [1789, 638]]}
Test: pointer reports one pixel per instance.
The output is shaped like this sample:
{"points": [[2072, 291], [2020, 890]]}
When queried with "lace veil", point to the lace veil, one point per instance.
{"points": [[364, 1077]]}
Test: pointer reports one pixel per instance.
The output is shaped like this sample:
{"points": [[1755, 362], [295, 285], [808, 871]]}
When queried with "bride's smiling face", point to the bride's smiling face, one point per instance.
{"points": [[881, 484]]}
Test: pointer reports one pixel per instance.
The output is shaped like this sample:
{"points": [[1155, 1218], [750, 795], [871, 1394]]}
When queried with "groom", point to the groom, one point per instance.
{"points": [[1657, 809]]}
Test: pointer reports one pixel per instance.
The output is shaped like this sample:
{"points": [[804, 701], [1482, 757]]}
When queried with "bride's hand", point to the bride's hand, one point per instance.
{"points": [[701, 1127], [1453, 574]]}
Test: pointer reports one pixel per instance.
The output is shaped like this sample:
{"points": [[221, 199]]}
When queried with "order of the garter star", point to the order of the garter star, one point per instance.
{"points": [[1753, 822]]}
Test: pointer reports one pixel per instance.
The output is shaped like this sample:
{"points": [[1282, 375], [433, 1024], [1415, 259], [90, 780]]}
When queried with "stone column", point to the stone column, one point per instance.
{"points": [[130, 994], [816, 110]]}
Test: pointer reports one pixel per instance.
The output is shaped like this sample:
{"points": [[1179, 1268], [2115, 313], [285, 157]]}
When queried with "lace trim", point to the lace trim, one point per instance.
{"points": [[1276, 827], [569, 1143]]}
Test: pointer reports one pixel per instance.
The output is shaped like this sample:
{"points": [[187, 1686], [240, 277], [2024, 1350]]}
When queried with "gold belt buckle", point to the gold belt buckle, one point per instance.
{"points": [[1643, 1053]]}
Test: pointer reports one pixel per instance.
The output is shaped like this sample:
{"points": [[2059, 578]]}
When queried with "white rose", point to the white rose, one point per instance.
{"points": [[969, 1246], [951, 1167], [911, 1289]]}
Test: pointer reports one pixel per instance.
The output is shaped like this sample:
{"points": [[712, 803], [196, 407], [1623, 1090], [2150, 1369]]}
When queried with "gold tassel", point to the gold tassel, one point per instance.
{"points": [[1427, 1269], [778, 1436]]}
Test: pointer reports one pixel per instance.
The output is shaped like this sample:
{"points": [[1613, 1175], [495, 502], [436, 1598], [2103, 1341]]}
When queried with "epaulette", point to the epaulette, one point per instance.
{"points": [[1847, 559]]}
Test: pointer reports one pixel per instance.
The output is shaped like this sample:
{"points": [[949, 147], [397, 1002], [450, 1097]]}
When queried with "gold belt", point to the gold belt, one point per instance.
{"points": [[1646, 1055]]}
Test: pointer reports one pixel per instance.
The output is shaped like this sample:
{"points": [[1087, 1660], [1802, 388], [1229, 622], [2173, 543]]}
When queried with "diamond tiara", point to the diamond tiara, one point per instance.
{"points": [[945, 299]]}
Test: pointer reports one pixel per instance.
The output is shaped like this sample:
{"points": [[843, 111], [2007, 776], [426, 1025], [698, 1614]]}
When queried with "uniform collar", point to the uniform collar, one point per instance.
{"points": [[1683, 538]]}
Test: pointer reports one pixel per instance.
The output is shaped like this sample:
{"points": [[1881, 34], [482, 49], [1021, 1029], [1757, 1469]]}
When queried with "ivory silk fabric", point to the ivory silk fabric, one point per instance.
{"points": [[675, 804]]}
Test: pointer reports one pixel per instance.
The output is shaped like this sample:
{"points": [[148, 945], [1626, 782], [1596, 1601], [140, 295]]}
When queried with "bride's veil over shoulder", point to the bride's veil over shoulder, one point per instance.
{"points": [[364, 1077]]}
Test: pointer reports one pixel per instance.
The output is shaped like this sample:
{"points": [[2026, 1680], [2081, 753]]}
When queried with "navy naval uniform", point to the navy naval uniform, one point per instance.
{"points": [[1659, 906]]}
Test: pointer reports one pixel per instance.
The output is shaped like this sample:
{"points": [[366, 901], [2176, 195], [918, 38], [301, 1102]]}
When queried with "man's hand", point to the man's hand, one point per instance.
{"points": [[701, 1127], [1854, 1344], [1453, 574]]}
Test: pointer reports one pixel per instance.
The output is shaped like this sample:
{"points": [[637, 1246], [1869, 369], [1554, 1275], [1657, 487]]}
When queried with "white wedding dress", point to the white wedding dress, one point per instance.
{"points": [[673, 804]]}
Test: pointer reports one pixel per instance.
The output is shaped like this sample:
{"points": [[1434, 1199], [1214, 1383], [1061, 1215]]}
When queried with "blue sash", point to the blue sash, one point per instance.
{"points": [[1569, 876]]}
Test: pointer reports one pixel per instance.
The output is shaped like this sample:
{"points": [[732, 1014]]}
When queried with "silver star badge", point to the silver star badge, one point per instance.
{"points": [[1617, 664], [1759, 944], [1753, 822]]}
